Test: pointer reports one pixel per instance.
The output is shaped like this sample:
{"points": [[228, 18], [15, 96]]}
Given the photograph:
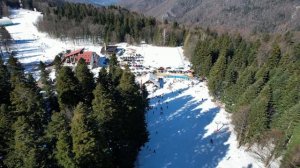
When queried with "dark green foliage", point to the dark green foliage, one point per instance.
{"points": [[68, 89], [217, 75], [27, 102], [275, 56], [108, 134], [57, 63], [23, 149], [5, 131], [262, 93], [63, 152], [108, 24], [5, 86], [83, 138], [258, 116], [103, 77], [86, 81], [16, 71], [103, 105]]}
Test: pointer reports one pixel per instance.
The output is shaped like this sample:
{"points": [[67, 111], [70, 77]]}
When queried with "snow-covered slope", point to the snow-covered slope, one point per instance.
{"points": [[188, 130], [33, 46], [192, 131]]}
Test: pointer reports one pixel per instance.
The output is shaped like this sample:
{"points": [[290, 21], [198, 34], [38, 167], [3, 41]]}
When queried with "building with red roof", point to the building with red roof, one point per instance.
{"points": [[91, 58]]}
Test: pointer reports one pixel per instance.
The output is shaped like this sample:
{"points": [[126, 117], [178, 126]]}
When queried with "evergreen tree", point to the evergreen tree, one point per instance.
{"points": [[132, 119], [275, 56], [5, 86], [217, 74], [16, 71], [105, 124], [63, 152], [68, 90], [57, 64], [103, 104], [113, 63], [23, 151], [83, 139], [86, 80], [27, 102], [5, 131], [258, 117], [103, 77]]}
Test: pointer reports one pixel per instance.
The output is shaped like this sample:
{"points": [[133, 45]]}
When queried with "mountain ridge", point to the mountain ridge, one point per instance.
{"points": [[246, 16]]}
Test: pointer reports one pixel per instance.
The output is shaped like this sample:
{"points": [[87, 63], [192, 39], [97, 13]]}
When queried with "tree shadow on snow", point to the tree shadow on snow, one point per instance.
{"points": [[177, 135]]}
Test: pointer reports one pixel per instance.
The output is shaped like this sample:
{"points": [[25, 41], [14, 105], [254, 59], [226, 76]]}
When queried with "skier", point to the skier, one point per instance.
{"points": [[211, 141]]}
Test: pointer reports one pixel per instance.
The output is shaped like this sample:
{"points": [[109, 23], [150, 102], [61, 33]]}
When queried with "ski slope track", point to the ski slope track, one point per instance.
{"points": [[186, 128]]}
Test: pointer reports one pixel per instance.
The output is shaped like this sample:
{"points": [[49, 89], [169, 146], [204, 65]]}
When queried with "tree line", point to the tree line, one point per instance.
{"points": [[259, 86], [78, 121], [107, 24]]}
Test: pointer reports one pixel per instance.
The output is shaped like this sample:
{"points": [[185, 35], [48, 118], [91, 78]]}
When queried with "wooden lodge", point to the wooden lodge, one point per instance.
{"points": [[91, 58]]}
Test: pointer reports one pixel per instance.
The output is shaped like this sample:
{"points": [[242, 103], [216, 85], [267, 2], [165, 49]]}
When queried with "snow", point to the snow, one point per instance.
{"points": [[181, 136], [193, 131], [33, 46], [155, 56]]}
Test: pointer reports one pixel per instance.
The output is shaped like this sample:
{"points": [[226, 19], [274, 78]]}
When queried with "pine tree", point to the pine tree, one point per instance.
{"points": [[103, 104], [217, 74], [102, 77], [68, 90], [275, 56], [86, 80], [16, 71], [57, 64], [23, 151], [259, 117], [113, 63], [127, 82], [5, 86], [131, 118], [5, 131], [63, 152], [105, 124], [83, 138], [27, 102]]}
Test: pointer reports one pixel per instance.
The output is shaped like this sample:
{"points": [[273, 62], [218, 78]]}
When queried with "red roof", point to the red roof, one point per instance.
{"points": [[74, 52], [87, 56]]}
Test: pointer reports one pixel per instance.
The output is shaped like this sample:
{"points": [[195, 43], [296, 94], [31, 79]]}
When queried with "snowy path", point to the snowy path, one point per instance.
{"points": [[181, 136]]}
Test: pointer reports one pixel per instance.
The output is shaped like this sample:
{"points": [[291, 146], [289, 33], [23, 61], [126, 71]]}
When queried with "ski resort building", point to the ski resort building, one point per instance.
{"points": [[91, 58], [150, 78], [109, 50]]}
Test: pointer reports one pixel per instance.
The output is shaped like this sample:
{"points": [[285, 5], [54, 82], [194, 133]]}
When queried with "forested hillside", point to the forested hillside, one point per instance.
{"points": [[107, 24], [246, 16], [75, 122], [260, 86]]}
